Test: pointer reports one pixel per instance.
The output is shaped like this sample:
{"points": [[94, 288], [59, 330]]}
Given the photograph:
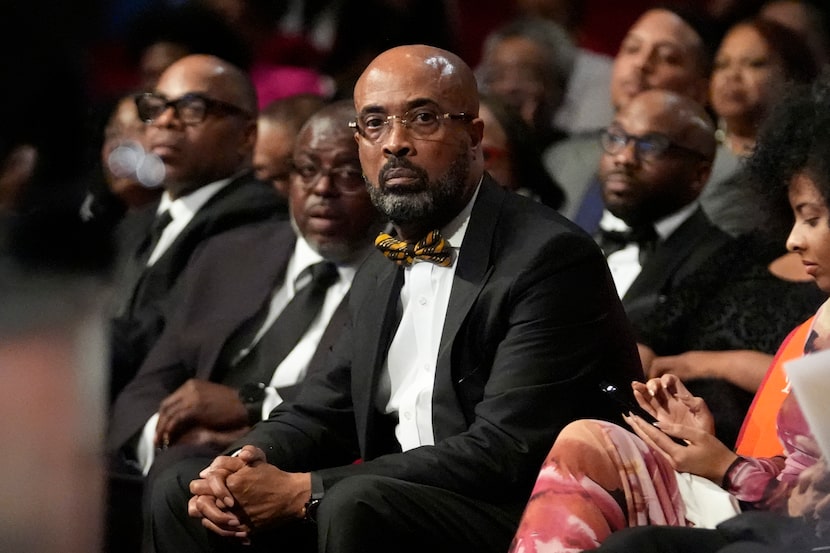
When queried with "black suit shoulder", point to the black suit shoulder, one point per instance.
{"points": [[244, 201]]}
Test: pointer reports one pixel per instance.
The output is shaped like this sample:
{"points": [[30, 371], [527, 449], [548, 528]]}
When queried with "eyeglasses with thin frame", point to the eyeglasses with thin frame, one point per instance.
{"points": [[191, 109], [650, 147], [421, 122], [348, 178]]}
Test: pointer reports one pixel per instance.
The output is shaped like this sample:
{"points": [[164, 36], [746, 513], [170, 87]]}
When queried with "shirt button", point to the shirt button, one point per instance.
{"points": [[422, 300], [407, 415], [426, 366]]}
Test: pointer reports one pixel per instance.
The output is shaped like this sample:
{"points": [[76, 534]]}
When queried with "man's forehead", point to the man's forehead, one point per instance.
{"points": [[649, 114], [666, 26]]}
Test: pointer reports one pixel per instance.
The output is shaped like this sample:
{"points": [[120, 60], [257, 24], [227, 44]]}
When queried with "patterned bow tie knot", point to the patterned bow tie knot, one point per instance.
{"points": [[432, 248]]}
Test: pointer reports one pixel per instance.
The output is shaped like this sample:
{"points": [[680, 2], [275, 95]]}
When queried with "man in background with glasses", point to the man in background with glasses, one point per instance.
{"points": [[657, 157], [201, 124], [217, 368], [484, 324]]}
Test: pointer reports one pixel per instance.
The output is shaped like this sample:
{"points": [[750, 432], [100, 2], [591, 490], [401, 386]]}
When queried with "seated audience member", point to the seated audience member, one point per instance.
{"points": [[719, 332], [586, 105], [201, 122], [512, 156], [658, 156], [667, 47], [256, 310], [277, 127], [213, 373], [527, 64], [600, 478], [127, 177], [808, 18], [466, 346], [754, 62]]}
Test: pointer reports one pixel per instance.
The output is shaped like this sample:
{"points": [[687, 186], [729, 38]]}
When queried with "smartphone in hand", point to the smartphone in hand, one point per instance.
{"points": [[628, 405]]}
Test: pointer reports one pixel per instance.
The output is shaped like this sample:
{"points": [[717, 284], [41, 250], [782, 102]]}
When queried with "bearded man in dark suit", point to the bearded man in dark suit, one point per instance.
{"points": [[489, 327]]}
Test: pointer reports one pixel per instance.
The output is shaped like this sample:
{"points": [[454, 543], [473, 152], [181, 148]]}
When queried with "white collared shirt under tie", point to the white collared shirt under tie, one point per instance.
{"points": [[409, 376], [294, 367], [625, 263], [182, 210]]}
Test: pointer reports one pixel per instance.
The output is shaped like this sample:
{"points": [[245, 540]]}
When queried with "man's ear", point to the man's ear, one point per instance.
{"points": [[476, 132]]}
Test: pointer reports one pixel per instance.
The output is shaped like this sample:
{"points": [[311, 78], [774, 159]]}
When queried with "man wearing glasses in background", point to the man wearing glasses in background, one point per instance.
{"points": [[201, 124], [657, 157], [483, 325], [255, 312]]}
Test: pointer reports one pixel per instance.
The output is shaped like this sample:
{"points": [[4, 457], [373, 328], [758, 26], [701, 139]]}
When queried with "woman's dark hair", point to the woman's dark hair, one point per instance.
{"points": [[793, 139], [799, 63], [525, 153]]}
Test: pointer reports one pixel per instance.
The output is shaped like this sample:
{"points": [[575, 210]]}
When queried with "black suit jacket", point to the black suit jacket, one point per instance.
{"points": [[133, 331], [226, 284], [673, 259], [533, 325]]}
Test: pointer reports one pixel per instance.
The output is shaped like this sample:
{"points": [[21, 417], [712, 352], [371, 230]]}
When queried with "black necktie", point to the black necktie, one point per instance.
{"points": [[138, 263], [149, 244], [284, 333]]}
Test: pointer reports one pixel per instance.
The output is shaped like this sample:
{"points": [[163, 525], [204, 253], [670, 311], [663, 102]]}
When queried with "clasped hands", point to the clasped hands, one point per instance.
{"points": [[239, 494], [680, 415]]}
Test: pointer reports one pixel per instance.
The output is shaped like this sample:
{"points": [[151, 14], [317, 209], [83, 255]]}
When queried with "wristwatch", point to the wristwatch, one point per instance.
{"points": [[317, 493], [252, 396], [310, 507]]}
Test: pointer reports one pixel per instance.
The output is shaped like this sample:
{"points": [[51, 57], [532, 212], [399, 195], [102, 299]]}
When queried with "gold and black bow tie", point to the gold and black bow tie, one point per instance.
{"points": [[432, 248]]}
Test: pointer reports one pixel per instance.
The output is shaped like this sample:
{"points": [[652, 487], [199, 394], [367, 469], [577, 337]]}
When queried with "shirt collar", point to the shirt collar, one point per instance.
{"points": [[305, 256], [663, 227], [188, 205]]}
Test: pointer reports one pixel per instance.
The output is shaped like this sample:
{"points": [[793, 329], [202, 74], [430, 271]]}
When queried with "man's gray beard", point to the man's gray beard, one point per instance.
{"points": [[430, 202]]}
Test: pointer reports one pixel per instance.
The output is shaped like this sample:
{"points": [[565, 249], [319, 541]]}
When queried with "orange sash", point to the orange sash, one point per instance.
{"points": [[759, 433]]}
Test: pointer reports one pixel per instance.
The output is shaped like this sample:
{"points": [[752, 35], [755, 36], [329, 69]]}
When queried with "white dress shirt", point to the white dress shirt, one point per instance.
{"points": [[407, 382], [625, 263], [182, 210], [295, 365]]}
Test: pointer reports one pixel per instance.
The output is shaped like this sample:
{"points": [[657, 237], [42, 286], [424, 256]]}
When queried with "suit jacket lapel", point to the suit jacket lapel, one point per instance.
{"points": [[473, 270], [668, 255], [241, 308], [474, 264], [379, 321]]}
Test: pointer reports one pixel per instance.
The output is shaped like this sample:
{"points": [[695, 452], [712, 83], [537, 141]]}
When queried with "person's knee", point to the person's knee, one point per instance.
{"points": [[356, 498], [169, 490]]}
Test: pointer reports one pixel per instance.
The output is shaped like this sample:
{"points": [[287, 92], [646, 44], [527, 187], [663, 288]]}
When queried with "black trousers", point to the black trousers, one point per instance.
{"points": [[361, 514], [750, 532]]}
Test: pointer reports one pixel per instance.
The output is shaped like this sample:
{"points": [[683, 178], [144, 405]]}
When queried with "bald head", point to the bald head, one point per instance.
{"points": [[679, 117], [452, 77], [225, 81]]}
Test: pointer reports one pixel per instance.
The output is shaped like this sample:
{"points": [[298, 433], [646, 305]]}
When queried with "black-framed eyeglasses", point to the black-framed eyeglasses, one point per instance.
{"points": [[347, 178], [421, 122], [191, 109], [649, 146]]}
